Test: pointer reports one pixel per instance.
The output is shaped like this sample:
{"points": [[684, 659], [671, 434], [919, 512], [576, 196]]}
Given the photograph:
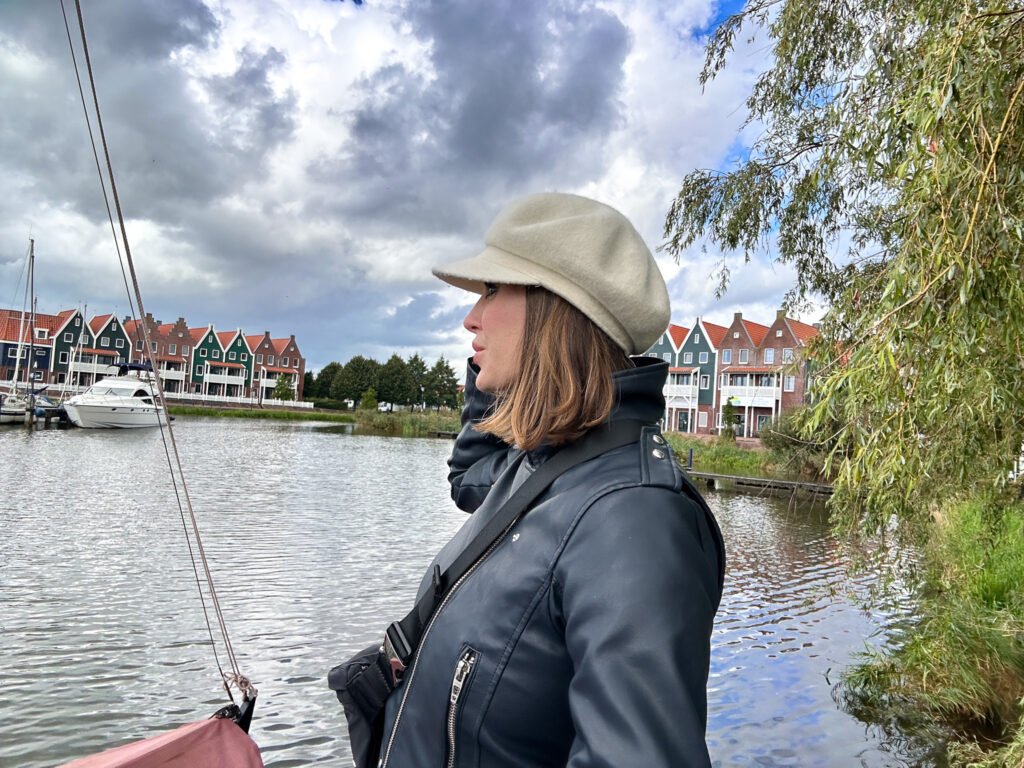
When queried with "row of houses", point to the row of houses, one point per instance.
{"points": [[761, 370], [66, 349]]}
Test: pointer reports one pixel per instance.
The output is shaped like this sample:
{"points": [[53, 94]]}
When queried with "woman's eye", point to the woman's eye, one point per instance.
{"points": [[490, 289]]}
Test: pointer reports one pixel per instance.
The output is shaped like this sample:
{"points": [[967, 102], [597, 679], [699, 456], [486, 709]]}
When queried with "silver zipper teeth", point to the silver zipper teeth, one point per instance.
{"points": [[462, 670], [423, 637]]}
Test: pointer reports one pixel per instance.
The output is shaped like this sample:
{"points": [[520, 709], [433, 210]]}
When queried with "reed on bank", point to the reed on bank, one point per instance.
{"points": [[260, 413]]}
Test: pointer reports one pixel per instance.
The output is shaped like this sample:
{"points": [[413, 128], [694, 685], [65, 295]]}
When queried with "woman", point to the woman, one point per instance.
{"points": [[582, 637]]}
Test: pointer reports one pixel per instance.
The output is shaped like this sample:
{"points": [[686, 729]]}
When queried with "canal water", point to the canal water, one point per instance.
{"points": [[318, 539]]}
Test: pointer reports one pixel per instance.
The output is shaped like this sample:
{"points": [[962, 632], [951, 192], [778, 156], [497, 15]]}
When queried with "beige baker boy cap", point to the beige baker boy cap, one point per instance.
{"points": [[582, 250]]}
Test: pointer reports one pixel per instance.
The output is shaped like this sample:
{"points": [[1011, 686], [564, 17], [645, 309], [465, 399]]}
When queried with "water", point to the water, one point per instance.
{"points": [[317, 540]]}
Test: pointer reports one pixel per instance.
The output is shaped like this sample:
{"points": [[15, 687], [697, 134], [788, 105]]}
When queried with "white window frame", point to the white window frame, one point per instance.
{"points": [[62, 358], [172, 349], [696, 338], [705, 381], [184, 349], [245, 357], [69, 338], [789, 383], [199, 370], [702, 357], [215, 354], [231, 355], [744, 356], [270, 359], [104, 342], [726, 357], [769, 356], [787, 355], [113, 326], [41, 333], [702, 420], [284, 361], [202, 352], [735, 334], [778, 334], [259, 359], [296, 363], [687, 358]]}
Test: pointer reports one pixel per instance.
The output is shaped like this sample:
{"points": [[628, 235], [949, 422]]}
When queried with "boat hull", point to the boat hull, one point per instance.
{"points": [[105, 416]]}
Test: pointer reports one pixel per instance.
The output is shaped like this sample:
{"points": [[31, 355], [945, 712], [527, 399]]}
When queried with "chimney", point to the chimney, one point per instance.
{"points": [[737, 316], [780, 314]]}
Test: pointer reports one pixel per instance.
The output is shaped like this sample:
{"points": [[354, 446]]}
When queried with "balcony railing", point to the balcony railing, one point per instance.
{"points": [[764, 397], [686, 392]]}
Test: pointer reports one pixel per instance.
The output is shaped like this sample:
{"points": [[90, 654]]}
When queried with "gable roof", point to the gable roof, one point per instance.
{"points": [[279, 345], [226, 337], [678, 334], [756, 331], [198, 334], [801, 331], [98, 322], [255, 340], [714, 332]]}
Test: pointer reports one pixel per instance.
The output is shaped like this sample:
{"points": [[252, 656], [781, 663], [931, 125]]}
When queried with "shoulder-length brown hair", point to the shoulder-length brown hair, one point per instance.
{"points": [[564, 383]]}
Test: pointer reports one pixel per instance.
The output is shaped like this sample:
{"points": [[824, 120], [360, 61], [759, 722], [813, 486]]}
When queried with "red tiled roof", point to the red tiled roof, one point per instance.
{"points": [[714, 332], [684, 369], [171, 358], [750, 369], [105, 352], [802, 331], [226, 365], [198, 334], [9, 327], [254, 341], [756, 330], [279, 345], [275, 369], [97, 323], [678, 334], [226, 337]]}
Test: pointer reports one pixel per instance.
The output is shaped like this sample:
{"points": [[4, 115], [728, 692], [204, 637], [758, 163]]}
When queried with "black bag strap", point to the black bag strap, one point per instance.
{"points": [[404, 636]]}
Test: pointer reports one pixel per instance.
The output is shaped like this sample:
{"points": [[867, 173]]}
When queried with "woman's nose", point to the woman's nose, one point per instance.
{"points": [[472, 321]]}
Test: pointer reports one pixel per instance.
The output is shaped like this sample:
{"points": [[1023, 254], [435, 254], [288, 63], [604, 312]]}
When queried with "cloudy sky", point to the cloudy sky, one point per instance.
{"points": [[298, 165]]}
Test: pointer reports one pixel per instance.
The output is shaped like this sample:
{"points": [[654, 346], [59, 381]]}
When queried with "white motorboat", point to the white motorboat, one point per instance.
{"points": [[13, 408], [124, 401]]}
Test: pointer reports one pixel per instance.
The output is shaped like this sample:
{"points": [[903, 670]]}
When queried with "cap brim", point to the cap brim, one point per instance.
{"points": [[491, 265]]}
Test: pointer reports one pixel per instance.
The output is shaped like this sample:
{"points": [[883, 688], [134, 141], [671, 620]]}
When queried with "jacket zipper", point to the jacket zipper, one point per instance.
{"points": [[462, 670], [411, 676]]}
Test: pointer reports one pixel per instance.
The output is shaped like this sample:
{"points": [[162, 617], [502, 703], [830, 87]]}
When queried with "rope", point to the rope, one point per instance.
{"points": [[184, 501]]}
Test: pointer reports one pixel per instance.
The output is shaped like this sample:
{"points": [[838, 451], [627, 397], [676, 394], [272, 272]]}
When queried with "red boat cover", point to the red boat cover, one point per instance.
{"points": [[214, 743]]}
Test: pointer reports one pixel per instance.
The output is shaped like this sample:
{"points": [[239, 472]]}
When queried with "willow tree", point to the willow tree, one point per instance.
{"points": [[889, 171]]}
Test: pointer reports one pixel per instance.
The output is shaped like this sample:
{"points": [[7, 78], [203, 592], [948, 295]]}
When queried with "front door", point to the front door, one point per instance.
{"points": [[682, 421]]}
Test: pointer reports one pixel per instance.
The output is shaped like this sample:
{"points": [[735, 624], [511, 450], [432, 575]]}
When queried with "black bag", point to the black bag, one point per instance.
{"points": [[363, 684]]}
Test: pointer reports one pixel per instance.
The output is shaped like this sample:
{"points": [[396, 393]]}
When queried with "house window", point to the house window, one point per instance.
{"points": [[270, 359], [40, 352], [172, 349], [184, 349], [62, 358], [12, 353], [216, 354], [78, 321], [696, 338], [113, 326], [789, 383], [666, 356], [687, 357], [296, 363], [726, 356], [735, 334], [769, 356], [702, 419], [744, 356], [199, 370], [284, 362], [69, 338], [85, 338], [704, 381], [725, 380], [245, 357], [787, 355], [40, 333], [778, 334], [138, 345], [202, 353], [231, 355], [104, 342], [259, 358], [702, 357]]}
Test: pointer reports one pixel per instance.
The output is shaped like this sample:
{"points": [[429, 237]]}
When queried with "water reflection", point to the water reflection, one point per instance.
{"points": [[318, 539]]}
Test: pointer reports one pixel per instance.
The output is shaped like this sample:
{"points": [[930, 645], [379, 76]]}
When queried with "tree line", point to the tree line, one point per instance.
{"points": [[396, 382]]}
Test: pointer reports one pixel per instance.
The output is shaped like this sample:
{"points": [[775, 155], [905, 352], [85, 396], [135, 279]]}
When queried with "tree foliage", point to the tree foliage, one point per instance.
{"points": [[325, 378], [395, 382], [283, 388], [441, 387], [889, 172], [356, 376]]}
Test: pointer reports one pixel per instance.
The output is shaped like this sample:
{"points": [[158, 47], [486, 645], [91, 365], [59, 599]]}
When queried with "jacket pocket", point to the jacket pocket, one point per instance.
{"points": [[461, 679]]}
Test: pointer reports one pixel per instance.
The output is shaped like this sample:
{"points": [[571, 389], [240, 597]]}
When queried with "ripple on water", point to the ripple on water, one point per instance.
{"points": [[314, 553]]}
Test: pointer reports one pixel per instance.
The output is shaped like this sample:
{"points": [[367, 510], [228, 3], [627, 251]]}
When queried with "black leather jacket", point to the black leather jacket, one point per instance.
{"points": [[582, 639]]}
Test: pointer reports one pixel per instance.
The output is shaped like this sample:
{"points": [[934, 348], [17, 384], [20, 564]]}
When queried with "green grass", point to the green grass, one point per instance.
{"points": [[259, 413], [962, 662], [722, 456]]}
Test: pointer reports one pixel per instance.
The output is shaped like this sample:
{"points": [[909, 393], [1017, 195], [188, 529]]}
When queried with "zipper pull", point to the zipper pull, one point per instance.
{"points": [[461, 673]]}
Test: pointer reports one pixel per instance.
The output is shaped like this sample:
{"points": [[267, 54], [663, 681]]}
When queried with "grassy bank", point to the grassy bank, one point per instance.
{"points": [[399, 423], [723, 456], [260, 413], [962, 666]]}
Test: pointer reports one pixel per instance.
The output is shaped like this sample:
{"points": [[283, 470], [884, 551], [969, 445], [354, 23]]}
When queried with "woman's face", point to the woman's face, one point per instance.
{"points": [[497, 322]]}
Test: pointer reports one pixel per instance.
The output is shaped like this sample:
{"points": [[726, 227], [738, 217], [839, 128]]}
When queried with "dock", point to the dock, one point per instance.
{"points": [[716, 481], [446, 435]]}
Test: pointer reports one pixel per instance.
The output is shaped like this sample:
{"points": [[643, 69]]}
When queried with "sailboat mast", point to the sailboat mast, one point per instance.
{"points": [[32, 312]]}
